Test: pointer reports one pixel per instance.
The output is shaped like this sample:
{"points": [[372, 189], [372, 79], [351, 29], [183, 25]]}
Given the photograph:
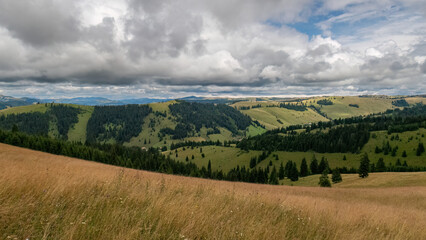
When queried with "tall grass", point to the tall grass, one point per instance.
{"points": [[44, 196]]}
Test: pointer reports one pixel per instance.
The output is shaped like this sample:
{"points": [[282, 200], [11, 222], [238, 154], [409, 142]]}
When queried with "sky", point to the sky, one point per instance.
{"points": [[229, 48]]}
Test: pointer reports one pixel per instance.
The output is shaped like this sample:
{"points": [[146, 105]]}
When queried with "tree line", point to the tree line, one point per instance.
{"points": [[346, 138]]}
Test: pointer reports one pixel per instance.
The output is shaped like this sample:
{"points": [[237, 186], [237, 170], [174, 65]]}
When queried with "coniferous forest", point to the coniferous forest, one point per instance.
{"points": [[116, 122]]}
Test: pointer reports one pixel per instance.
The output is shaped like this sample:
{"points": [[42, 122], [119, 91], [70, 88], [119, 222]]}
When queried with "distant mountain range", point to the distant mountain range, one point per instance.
{"points": [[7, 101], [93, 101]]}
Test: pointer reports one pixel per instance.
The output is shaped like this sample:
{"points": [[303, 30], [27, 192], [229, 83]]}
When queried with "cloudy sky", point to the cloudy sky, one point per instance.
{"points": [[175, 48]]}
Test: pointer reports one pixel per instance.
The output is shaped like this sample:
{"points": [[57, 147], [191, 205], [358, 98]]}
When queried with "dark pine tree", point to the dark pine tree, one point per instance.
{"points": [[287, 168], [209, 169], [380, 166], [293, 174], [336, 177], [314, 165], [273, 178], [420, 149], [253, 162], [323, 180], [281, 172], [304, 171], [364, 166], [323, 166]]}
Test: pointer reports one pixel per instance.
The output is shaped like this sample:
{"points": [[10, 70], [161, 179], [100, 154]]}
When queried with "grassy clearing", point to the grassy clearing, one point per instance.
{"points": [[274, 117], [78, 131], [341, 108], [25, 109], [414, 100], [374, 180], [254, 130], [51, 197], [224, 158], [161, 106]]}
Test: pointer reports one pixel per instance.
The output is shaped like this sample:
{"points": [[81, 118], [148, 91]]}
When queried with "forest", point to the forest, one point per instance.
{"points": [[339, 139], [193, 116], [63, 116], [120, 123]]}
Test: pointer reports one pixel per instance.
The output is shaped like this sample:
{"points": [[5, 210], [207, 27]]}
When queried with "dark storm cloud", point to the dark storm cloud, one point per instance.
{"points": [[159, 27], [40, 22]]}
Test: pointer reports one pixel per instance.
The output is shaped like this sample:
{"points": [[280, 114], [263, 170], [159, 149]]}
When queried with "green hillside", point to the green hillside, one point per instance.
{"points": [[271, 116], [226, 158], [162, 127], [156, 126], [25, 109], [78, 131], [360, 106]]}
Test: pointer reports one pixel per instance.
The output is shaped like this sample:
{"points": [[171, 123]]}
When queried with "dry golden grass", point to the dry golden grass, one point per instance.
{"points": [[45, 196]]}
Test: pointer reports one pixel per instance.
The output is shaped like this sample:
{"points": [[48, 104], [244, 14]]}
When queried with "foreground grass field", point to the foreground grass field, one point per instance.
{"points": [[45, 196]]}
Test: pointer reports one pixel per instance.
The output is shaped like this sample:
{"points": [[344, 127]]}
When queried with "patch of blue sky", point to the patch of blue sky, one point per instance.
{"points": [[308, 27], [347, 28]]}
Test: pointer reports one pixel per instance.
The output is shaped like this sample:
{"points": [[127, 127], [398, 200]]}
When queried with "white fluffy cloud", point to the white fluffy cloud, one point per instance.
{"points": [[172, 48]]}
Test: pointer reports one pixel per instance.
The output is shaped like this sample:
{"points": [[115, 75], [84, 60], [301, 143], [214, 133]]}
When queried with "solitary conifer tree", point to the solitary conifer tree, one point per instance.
{"points": [[304, 168], [381, 167], [273, 178], [281, 172], [314, 165], [364, 166], [420, 149], [336, 177], [209, 169], [323, 166], [293, 174], [324, 181]]}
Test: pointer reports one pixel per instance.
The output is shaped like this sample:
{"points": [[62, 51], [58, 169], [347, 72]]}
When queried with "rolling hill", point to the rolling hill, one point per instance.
{"points": [[163, 127], [47, 196], [156, 124]]}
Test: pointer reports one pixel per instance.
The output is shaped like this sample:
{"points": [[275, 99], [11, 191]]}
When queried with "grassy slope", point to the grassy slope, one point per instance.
{"points": [[374, 180], [150, 134], [269, 116], [224, 158], [52, 197], [341, 108], [24, 109], [236, 157], [78, 131], [414, 100]]}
